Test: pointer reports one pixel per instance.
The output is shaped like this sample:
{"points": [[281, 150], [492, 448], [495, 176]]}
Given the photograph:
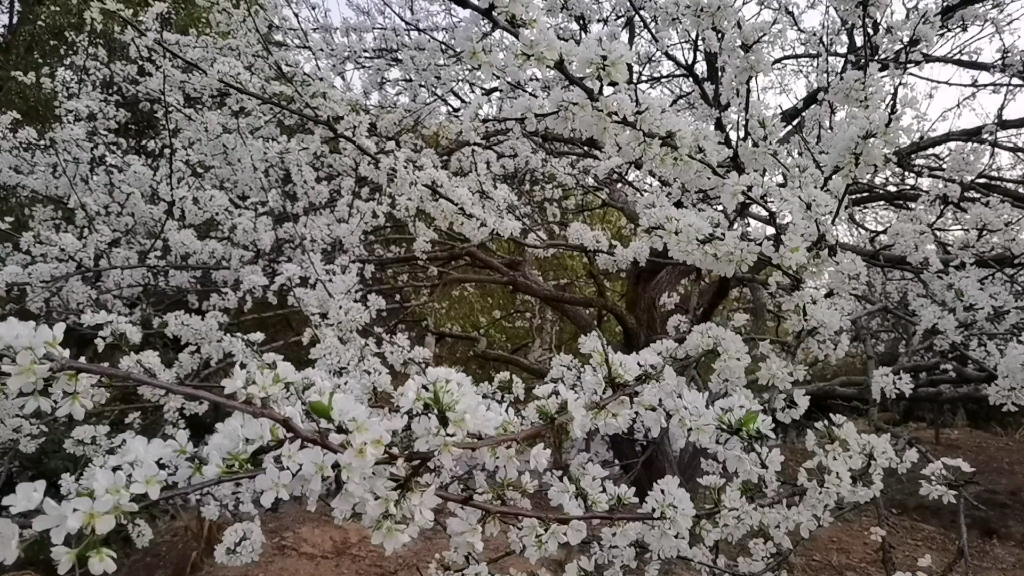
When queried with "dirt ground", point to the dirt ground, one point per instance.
{"points": [[304, 544], [917, 526]]}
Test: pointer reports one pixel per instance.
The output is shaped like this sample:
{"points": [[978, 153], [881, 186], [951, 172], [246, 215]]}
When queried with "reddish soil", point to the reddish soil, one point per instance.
{"points": [[917, 526], [304, 544]]}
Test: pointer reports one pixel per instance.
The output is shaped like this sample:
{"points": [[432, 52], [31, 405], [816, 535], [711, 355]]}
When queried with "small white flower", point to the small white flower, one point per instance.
{"points": [[241, 544], [60, 520], [27, 496], [210, 511], [9, 534], [140, 533], [390, 535], [27, 371], [96, 514], [576, 532], [75, 405], [36, 402], [274, 485], [65, 558], [539, 457], [148, 479], [101, 561]]}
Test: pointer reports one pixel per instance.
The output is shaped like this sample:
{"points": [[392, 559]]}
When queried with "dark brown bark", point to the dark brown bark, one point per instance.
{"points": [[646, 285], [646, 462]]}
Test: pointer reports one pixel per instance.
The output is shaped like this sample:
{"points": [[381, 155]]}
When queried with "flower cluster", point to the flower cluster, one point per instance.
{"points": [[241, 544], [390, 468], [944, 478]]}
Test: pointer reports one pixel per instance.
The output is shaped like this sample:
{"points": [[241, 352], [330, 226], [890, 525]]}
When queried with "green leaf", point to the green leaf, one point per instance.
{"points": [[748, 421], [321, 409]]}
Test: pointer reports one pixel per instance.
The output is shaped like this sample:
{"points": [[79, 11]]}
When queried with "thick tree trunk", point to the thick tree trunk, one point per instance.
{"points": [[646, 462]]}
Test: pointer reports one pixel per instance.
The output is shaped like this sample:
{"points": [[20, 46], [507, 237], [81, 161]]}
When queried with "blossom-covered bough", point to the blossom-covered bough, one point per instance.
{"points": [[220, 260]]}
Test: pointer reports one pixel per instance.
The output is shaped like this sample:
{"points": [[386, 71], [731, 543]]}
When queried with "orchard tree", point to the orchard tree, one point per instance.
{"points": [[242, 253]]}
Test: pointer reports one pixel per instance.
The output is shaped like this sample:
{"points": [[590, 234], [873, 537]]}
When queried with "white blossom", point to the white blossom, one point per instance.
{"points": [[9, 544], [101, 561], [242, 543], [27, 496]]}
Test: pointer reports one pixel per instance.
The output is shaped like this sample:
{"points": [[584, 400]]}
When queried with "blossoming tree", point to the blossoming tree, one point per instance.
{"points": [[697, 202]]}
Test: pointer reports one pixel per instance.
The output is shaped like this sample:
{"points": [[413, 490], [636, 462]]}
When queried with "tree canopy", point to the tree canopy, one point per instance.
{"points": [[563, 269]]}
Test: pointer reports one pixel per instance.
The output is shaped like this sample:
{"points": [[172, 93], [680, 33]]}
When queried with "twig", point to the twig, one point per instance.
{"points": [[951, 565], [185, 491], [963, 537], [554, 518], [832, 562], [888, 562], [7, 464], [869, 351], [288, 424]]}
